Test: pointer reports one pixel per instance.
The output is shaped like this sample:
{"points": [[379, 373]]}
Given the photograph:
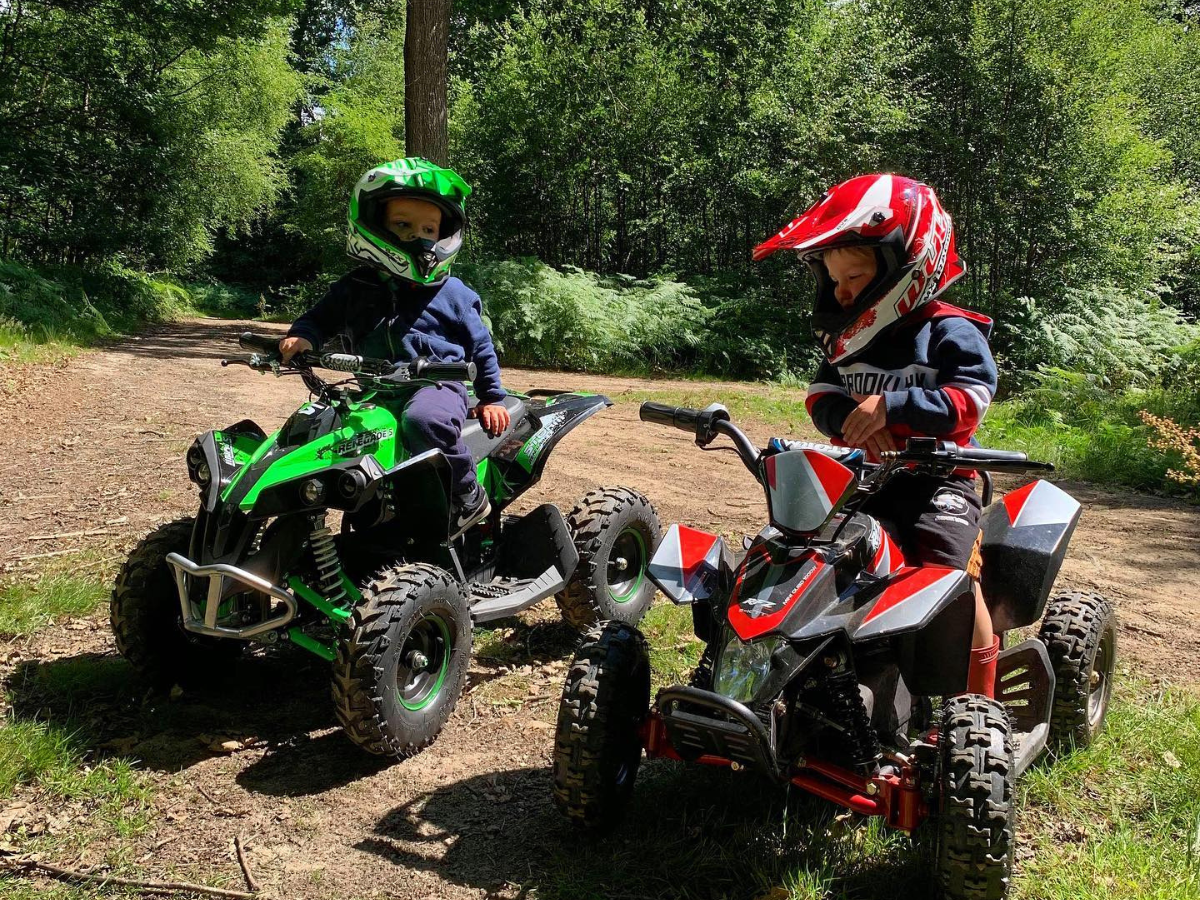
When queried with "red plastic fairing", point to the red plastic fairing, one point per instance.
{"points": [[746, 626], [908, 583], [1014, 501], [678, 562], [888, 558]]}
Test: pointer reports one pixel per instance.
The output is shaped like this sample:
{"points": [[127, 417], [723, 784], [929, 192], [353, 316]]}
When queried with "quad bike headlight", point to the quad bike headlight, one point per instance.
{"points": [[743, 667], [312, 491], [203, 475]]}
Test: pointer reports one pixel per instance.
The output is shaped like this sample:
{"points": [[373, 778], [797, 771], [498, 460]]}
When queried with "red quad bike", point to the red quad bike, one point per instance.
{"points": [[825, 651]]}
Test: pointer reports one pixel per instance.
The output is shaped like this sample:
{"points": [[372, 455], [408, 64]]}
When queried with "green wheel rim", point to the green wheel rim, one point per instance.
{"points": [[626, 565], [423, 662]]}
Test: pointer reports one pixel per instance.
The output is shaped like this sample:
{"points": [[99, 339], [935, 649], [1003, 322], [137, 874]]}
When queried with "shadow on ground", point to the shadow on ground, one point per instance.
{"points": [[689, 832], [277, 698], [213, 339]]}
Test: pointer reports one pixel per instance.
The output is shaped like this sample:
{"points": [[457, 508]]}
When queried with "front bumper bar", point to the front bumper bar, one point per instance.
{"points": [[700, 726], [701, 723], [217, 573]]}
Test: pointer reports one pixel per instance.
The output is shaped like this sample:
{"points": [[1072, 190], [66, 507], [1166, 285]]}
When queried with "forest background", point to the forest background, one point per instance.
{"points": [[170, 157]]}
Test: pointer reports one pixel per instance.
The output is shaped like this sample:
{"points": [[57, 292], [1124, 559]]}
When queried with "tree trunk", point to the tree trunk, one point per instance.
{"points": [[426, 33]]}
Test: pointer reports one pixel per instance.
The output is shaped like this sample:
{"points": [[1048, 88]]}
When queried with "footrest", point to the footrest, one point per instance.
{"points": [[1025, 685], [502, 597]]}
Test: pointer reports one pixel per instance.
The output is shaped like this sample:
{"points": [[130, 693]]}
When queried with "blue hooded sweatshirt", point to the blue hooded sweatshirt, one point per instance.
{"points": [[387, 318]]}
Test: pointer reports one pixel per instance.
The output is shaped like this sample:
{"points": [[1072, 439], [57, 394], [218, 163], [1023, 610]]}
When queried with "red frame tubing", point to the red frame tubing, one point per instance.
{"points": [[896, 798]]}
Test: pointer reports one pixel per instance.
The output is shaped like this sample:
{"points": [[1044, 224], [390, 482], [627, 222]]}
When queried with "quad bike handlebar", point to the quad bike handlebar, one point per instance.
{"points": [[926, 450], [705, 424], [420, 369], [926, 453]]}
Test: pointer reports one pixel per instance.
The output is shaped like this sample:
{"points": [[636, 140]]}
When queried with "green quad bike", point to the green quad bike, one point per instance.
{"points": [[391, 599]]}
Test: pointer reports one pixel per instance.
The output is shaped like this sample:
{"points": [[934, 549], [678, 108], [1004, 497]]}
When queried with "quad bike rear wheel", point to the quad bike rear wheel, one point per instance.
{"points": [[976, 779], [597, 745], [402, 660], [1080, 631], [615, 530], [146, 619]]}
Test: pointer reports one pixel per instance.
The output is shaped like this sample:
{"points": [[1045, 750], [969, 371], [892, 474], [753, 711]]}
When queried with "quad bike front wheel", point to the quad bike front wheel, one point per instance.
{"points": [[615, 532], [976, 780], [147, 621], [597, 745], [1080, 632], [402, 660]]}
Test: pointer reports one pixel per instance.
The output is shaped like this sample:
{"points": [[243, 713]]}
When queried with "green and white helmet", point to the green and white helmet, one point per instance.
{"points": [[370, 241]]}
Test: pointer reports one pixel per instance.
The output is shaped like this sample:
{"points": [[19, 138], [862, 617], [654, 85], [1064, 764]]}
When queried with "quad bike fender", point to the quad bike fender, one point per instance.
{"points": [[928, 613], [689, 565], [1025, 538], [225, 451], [559, 416], [421, 486]]}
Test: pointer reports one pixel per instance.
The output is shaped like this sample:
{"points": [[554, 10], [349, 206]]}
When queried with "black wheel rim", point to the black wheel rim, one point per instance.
{"points": [[423, 661], [1100, 679], [626, 565]]}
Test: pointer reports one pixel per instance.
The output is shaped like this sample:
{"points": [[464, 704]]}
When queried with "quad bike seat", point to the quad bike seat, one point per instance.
{"points": [[479, 442]]}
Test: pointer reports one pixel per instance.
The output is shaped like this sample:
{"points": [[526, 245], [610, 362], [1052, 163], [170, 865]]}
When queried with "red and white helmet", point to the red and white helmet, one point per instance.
{"points": [[913, 239]]}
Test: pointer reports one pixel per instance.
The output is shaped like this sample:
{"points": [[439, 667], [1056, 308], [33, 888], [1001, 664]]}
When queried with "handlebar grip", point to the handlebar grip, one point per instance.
{"points": [[446, 371], [342, 362], [260, 343], [685, 418], [999, 456]]}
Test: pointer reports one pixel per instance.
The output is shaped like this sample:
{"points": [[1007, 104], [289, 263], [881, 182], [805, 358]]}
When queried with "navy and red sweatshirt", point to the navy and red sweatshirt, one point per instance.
{"points": [[399, 321], [934, 370]]}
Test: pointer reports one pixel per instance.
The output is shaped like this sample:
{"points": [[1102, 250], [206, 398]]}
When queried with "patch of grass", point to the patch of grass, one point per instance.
{"points": [[497, 645], [1120, 820], [780, 409], [26, 607], [15, 889], [18, 344], [49, 313], [52, 757], [1091, 433], [674, 647]]}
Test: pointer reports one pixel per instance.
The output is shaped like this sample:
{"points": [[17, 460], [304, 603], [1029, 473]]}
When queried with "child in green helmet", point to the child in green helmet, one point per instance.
{"points": [[406, 220]]}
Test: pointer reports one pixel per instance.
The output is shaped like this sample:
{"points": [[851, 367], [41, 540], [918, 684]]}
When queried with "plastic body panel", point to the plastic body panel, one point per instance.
{"points": [[1025, 538]]}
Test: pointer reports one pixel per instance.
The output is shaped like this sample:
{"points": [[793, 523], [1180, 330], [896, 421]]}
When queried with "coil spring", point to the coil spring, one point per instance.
{"points": [[846, 707], [325, 557], [702, 675]]}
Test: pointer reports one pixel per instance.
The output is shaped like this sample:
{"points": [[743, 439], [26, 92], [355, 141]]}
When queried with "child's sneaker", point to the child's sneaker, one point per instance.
{"points": [[469, 509]]}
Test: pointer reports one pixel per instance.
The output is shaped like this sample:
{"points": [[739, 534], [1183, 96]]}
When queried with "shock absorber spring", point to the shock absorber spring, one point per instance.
{"points": [[325, 557], [847, 708]]}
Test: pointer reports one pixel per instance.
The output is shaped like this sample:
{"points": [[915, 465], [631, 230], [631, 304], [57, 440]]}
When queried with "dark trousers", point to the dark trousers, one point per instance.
{"points": [[934, 520], [433, 420]]}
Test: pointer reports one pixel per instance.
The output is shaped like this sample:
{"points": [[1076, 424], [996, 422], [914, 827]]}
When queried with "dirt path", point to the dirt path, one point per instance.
{"points": [[91, 458]]}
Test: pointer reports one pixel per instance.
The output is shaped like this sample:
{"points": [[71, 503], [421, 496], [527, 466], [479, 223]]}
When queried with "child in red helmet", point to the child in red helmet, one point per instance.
{"points": [[900, 363]]}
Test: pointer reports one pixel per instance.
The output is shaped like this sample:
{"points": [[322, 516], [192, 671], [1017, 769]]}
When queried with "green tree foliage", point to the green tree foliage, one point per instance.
{"points": [[650, 136], [359, 123], [137, 129]]}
